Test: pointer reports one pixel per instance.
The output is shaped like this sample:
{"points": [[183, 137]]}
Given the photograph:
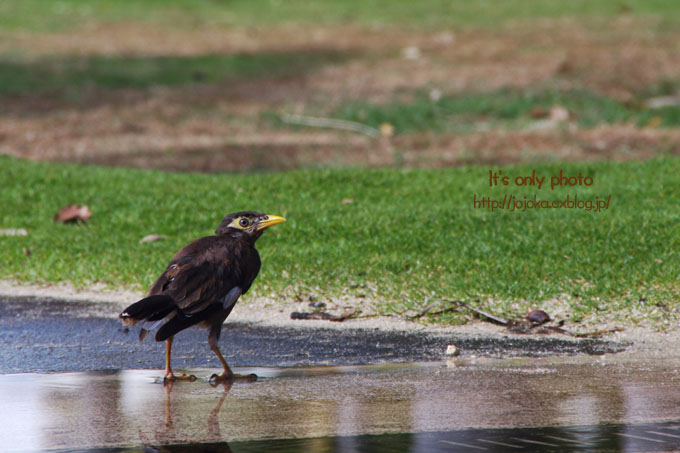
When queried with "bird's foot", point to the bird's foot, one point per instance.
{"points": [[172, 377], [231, 377]]}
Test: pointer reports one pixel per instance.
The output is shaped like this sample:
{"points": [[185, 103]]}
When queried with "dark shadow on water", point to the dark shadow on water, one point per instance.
{"points": [[600, 438]]}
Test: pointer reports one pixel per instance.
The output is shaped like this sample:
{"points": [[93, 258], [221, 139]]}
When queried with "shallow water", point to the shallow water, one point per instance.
{"points": [[593, 400]]}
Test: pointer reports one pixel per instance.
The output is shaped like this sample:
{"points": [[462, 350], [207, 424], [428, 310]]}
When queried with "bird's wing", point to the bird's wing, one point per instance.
{"points": [[201, 274]]}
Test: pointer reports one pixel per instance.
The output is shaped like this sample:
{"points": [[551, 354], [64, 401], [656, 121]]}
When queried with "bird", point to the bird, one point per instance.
{"points": [[201, 285]]}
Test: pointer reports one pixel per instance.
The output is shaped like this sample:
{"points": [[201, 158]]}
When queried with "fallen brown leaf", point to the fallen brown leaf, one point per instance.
{"points": [[73, 213], [538, 317]]}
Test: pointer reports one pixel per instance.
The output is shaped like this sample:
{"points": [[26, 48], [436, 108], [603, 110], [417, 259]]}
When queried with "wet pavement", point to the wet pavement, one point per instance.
{"points": [[412, 400], [462, 400], [44, 335]]}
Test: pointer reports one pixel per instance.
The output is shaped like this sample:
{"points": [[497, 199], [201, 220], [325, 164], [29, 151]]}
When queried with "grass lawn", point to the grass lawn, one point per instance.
{"points": [[73, 74], [406, 236], [39, 15], [174, 80], [503, 109]]}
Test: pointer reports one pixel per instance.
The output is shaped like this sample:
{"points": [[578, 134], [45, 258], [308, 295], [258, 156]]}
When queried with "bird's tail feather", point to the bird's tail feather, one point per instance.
{"points": [[183, 321], [153, 310], [176, 324]]}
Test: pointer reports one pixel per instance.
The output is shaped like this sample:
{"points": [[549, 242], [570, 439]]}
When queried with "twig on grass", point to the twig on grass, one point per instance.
{"points": [[455, 304], [595, 334], [424, 311], [484, 314], [520, 327], [323, 315], [330, 123]]}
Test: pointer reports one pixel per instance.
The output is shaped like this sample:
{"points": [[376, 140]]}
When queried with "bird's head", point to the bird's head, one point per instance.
{"points": [[247, 222]]}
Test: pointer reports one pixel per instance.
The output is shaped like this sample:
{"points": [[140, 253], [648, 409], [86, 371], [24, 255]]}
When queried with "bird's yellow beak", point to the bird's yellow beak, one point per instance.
{"points": [[269, 221]]}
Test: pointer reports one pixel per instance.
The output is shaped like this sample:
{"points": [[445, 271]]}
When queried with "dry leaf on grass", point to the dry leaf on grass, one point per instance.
{"points": [[556, 113], [13, 232], [73, 213], [152, 238]]}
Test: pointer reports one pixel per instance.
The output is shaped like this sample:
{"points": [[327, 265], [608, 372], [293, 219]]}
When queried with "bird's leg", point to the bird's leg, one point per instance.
{"points": [[227, 374], [169, 375], [227, 371]]}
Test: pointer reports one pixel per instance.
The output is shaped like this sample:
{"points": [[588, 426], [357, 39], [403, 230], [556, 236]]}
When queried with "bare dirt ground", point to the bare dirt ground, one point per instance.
{"points": [[219, 127]]}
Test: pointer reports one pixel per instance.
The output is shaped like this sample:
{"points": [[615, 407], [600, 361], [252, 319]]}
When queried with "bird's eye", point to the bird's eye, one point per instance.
{"points": [[243, 222]]}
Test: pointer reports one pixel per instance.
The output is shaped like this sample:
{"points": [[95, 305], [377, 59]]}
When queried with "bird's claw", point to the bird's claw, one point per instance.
{"points": [[223, 378], [170, 378]]}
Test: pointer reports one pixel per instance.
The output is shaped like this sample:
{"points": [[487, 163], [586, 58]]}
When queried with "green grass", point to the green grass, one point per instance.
{"points": [[51, 15], [504, 108], [72, 74], [408, 235]]}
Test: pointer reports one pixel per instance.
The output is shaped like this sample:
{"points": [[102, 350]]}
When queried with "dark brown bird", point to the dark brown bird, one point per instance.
{"points": [[201, 285]]}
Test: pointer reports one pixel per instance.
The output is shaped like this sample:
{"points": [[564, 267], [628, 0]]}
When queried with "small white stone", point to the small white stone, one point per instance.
{"points": [[559, 114], [452, 351], [410, 53]]}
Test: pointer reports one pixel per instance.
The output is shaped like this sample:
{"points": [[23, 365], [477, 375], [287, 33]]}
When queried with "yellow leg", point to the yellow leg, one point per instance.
{"points": [[227, 374], [168, 354], [169, 375], [227, 371]]}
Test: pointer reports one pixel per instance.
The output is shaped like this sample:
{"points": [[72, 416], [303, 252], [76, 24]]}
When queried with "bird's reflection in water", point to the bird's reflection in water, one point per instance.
{"points": [[213, 421], [168, 385]]}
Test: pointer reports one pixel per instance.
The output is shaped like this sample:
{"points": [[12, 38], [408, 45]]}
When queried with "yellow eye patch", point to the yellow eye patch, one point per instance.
{"points": [[241, 223]]}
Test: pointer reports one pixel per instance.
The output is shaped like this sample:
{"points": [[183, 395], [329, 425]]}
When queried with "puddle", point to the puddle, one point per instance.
{"points": [[598, 438], [607, 402]]}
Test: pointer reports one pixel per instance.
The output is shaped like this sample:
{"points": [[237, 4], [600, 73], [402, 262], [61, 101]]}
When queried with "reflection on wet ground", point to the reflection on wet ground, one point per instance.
{"points": [[607, 402], [598, 438]]}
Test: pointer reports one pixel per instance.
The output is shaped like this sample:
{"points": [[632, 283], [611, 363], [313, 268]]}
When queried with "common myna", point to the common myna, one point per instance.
{"points": [[201, 285]]}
